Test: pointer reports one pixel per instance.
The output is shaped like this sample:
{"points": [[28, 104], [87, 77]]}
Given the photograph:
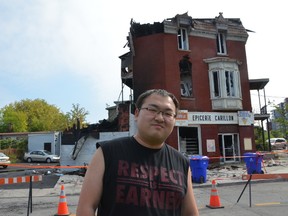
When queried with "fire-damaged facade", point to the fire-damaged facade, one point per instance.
{"points": [[203, 62]]}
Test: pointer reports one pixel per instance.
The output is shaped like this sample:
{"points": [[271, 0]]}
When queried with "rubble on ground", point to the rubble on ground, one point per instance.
{"points": [[235, 171]]}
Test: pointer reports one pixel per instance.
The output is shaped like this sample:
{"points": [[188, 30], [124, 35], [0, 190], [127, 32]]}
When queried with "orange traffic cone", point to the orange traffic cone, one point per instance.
{"points": [[62, 206], [214, 198]]}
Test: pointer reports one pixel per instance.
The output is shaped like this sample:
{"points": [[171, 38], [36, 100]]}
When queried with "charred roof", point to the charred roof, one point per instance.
{"points": [[203, 25]]}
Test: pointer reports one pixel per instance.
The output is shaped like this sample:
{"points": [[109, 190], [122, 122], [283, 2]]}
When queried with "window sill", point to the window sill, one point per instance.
{"points": [[187, 98], [222, 54], [184, 50], [227, 104]]}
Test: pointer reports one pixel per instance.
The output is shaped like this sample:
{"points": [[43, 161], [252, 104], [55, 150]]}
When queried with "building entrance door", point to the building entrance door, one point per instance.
{"points": [[47, 146], [189, 140], [229, 147]]}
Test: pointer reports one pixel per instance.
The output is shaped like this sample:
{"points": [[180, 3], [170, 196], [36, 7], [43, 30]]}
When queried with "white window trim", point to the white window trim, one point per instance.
{"points": [[221, 43], [183, 39], [221, 68]]}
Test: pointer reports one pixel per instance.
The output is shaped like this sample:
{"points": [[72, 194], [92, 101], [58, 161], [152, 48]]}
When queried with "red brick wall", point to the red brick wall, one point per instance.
{"points": [[156, 66], [123, 117]]}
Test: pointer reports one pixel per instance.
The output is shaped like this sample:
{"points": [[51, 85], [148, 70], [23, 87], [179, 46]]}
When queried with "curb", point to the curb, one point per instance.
{"points": [[222, 184]]}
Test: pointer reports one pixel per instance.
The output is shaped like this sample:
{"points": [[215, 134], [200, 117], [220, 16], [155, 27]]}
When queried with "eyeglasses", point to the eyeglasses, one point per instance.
{"points": [[154, 111]]}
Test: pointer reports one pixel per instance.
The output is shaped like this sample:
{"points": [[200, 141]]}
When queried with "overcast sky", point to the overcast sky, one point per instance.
{"points": [[67, 51]]}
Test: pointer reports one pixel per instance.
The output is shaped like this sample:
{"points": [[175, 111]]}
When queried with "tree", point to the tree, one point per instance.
{"points": [[75, 113], [31, 115], [281, 120], [12, 120], [260, 143]]}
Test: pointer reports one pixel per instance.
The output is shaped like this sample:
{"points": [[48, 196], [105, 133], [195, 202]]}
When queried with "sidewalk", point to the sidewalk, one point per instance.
{"points": [[233, 173]]}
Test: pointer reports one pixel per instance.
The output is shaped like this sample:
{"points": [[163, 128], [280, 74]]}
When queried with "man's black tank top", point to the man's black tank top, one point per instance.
{"points": [[140, 181]]}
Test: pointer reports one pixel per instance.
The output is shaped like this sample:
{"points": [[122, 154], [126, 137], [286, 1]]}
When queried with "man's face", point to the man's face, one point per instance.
{"points": [[155, 120]]}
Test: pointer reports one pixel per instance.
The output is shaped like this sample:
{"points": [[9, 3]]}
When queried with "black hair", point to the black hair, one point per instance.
{"points": [[161, 92]]}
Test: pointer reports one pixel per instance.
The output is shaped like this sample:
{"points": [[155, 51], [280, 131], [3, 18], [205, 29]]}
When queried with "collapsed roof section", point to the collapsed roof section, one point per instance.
{"points": [[204, 27]]}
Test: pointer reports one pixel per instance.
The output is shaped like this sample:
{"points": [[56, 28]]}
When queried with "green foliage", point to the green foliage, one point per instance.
{"points": [[13, 143], [37, 115], [280, 119], [34, 115], [31, 115], [281, 111], [276, 133], [260, 143], [15, 148], [13, 120], [75, 113]]}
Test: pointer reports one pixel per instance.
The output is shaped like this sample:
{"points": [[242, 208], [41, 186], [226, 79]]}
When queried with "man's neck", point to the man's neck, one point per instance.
{"points": [[148, 144]]}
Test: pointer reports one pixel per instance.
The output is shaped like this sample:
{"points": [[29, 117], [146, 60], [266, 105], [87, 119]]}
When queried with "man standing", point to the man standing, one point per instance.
{"points": [[141, 175]]}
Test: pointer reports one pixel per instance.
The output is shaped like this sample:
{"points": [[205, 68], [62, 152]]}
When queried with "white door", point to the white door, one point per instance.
{"points": [[229, 147]]}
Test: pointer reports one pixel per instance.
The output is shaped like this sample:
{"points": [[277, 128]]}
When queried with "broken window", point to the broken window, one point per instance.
{"points": [[183, 43], [230, 89], [216, 84], [221, 43], [224, 84], [185, 67]]}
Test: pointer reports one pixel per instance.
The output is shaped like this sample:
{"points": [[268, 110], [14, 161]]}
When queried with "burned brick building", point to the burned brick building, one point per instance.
{"points": [[203, 62]]}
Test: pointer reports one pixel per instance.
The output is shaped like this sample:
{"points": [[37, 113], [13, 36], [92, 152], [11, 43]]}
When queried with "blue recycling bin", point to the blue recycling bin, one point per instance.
{"points": [[199, 165], [253, 162]]}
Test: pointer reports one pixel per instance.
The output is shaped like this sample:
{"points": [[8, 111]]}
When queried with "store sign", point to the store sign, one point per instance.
{"points": [[185, 118], [246, 118], [212, 118], [242, 118], [182, 118]]}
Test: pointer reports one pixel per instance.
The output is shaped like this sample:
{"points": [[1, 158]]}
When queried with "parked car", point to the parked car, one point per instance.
{"points": [[41, 155], [4, 160], [278, 143]]}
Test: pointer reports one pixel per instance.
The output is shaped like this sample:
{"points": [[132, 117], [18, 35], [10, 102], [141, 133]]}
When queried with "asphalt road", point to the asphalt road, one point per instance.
{"points": [[266, 199]]}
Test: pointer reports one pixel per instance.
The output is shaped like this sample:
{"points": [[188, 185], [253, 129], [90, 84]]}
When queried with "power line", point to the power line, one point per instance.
{"points": [[268, 96]]}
